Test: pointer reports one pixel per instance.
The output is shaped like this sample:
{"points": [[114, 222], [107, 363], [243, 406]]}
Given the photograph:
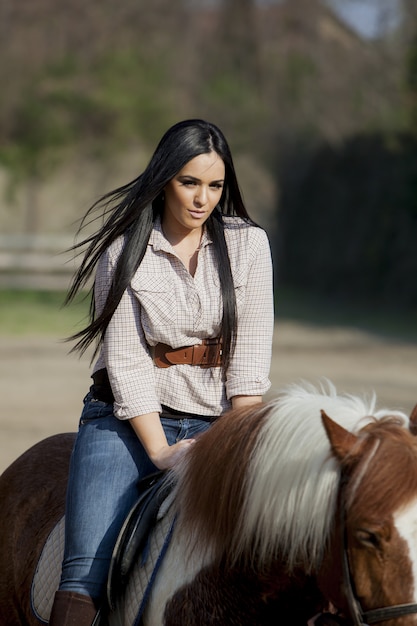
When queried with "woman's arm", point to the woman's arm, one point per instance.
{"points": [[243, 401], [149, 430], [124, 349]]}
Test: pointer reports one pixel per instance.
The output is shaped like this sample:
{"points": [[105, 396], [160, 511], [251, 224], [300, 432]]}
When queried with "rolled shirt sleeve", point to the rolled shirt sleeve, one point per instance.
{"points": [[248, 373], [129, 364]]}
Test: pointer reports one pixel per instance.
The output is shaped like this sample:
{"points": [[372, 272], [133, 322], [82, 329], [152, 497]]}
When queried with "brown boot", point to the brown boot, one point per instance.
{"points": [[72, 609]]}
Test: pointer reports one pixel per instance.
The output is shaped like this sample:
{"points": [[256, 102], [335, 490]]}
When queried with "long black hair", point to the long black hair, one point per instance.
{"points": [[131, 210]]}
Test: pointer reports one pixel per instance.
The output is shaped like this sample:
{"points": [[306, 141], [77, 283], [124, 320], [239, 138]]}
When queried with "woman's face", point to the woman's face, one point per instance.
{"points": [[192, 195]]}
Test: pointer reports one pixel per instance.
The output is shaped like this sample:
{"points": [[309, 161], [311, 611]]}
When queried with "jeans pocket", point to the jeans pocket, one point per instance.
{"points": [[95, 409]]}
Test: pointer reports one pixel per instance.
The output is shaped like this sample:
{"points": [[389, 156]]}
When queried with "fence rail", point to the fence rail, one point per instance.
{"points": [[36, 261]]}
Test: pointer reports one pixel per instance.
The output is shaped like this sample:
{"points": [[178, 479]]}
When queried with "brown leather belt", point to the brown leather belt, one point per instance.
{"points": [[206, 354]]}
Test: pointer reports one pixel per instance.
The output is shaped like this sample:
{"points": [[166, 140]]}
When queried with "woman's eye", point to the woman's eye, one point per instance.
{"points": [[193, 183]]}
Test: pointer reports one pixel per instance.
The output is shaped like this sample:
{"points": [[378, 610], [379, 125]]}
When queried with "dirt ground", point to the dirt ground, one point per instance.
{"points": [[41, 386]]}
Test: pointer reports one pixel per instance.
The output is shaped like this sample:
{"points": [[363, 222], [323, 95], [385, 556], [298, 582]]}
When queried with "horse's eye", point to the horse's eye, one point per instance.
{"points": [[367, 538]]}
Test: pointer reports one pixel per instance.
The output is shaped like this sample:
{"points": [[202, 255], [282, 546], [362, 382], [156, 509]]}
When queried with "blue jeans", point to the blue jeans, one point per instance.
{"points": [[106, 464]]}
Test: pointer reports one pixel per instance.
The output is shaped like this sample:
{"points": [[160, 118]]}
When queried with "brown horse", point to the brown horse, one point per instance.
{"points": [[281, 511], [32, 500]]}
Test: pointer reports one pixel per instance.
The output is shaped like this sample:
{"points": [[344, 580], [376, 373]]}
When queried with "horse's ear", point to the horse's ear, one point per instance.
{"points": [[341, 440], [413, 421]]}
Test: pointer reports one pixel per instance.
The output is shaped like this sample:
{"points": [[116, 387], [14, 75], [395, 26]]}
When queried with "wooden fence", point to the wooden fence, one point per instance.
{"points": [[36, 261]]}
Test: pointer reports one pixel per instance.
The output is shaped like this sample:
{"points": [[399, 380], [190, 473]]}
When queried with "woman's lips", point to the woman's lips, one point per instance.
{"points": [[196, 214]]}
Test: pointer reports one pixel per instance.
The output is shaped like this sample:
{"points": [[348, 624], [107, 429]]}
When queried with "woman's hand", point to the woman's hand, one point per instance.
{"points": [[150, 432], [168, 456]]}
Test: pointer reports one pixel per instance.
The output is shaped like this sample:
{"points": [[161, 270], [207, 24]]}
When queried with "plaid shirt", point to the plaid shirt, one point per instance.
{"points": [[164, 303]]}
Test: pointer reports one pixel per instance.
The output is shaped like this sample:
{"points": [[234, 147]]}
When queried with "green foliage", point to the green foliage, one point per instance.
{"points": [[234, 103], [299, 71], [51, 115], [26, 312], [411, 84], [136, 93], [115, 99]]}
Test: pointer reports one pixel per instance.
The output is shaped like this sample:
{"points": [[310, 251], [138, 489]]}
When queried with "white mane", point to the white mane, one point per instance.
{"points": [[292, 478]]}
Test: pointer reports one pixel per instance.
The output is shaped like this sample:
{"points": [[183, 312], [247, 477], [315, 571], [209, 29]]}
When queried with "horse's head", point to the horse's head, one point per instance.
{"points": [[375, 538]]}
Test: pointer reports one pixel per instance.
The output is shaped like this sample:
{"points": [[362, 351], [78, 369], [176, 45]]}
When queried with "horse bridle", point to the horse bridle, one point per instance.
{"points": [[374, 616], [357, 615]]}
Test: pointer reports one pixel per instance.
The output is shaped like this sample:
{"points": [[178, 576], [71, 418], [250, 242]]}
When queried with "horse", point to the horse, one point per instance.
{"points": [[281, 510]]}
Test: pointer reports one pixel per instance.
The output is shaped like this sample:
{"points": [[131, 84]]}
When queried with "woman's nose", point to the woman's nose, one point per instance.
{"points": [[201, 197]]}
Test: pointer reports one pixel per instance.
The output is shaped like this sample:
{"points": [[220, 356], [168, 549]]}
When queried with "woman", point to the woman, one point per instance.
{"points": [[183, 315]]}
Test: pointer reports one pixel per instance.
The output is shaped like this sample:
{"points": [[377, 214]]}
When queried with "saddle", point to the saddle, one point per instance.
{"points": [[135, 531], [132, 542]]}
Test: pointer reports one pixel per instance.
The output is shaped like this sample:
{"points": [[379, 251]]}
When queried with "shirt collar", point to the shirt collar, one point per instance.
{"points": [[158, 240]]}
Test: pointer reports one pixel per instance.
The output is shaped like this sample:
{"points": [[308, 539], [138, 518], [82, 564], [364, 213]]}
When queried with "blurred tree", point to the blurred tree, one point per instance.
{"points": [[47, 118], [411, 82], [410, 38], [85, 77], [239, 40], [100, 75]]}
